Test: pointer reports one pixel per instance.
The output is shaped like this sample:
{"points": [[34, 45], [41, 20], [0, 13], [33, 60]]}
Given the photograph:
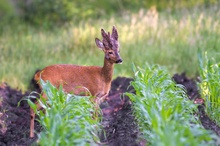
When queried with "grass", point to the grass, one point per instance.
{"points": [[210, 85], [163, 112], [166, 38], [68, 119]]}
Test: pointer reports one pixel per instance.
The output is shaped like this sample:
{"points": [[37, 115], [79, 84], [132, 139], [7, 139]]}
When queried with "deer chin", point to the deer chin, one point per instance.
{"points": [[119, 63]]}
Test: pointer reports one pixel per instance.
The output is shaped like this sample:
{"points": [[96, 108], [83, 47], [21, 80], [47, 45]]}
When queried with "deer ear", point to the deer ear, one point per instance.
{"points": [[99, 43]]}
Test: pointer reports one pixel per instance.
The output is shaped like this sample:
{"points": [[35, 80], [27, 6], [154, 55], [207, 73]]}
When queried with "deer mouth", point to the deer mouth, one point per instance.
{"points": [[119, 61]]}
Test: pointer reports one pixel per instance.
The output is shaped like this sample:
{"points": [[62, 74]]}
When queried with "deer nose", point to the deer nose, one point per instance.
{"points": [[119, 61]]}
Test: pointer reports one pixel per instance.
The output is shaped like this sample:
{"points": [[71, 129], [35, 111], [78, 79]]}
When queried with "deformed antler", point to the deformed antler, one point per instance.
{"points": [[105, 39], [109, 39]]}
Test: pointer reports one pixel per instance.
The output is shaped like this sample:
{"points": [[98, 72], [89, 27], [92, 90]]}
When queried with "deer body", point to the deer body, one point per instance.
{"points": [[84, 80], [79, 79]]}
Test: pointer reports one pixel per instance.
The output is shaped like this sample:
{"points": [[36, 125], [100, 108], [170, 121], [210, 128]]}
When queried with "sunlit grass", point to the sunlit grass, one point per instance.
{"points": [[210, 85], [164, 38]]}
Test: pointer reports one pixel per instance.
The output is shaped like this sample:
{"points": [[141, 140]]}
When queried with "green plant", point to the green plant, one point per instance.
{"points": [[6, 9], [163, 112], [67, 119], [210, 84], [51, 12]]}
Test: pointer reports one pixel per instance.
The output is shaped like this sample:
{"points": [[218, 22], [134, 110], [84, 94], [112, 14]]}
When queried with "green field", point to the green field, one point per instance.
{"points": [[148, 36]]}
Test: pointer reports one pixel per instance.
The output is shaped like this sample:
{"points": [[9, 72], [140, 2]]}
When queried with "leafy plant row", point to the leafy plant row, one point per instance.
{"points": [[163, 112], [67, 119], [210, 86]]}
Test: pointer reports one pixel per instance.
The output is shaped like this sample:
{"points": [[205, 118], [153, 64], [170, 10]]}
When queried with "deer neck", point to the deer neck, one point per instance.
{"points": [[107, 70]]}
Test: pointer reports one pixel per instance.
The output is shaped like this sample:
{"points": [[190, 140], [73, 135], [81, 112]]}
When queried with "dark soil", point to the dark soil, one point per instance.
{"points": [[193, 94], [14, 119], [118, 121]]}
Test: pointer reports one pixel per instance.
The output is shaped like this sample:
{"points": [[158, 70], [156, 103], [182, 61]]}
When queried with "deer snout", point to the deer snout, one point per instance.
{"points": [[119, 61]]}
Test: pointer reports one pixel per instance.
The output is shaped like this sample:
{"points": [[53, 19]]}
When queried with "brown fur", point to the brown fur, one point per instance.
{"points": [[74, 79]]}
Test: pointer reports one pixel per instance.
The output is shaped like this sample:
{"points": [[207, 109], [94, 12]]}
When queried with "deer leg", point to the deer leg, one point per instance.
{"points": [[32, 115], [99, 99]]}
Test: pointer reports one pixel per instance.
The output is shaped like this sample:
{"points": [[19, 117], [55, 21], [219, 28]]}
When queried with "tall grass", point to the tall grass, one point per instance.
{"points": [[162, 38], [210, 85], [163, 112], [67, 119]]}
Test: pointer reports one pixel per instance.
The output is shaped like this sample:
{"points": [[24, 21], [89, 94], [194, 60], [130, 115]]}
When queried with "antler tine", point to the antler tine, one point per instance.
{"points": [[114, 33], [114, 27], [106, 37], [103, 33]]}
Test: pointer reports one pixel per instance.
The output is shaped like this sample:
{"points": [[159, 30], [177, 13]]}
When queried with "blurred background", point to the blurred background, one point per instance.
{"points": [[38, 33]]}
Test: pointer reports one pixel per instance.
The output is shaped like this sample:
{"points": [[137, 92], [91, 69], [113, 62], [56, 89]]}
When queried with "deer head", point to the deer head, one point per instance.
{"points": [[110, 45]]}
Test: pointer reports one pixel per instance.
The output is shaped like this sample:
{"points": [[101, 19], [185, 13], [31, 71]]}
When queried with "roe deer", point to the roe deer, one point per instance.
{"points": [[96, 80]]}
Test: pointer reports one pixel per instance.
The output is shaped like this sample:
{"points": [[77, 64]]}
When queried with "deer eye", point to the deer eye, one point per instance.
{"points": [[110, 52]]}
